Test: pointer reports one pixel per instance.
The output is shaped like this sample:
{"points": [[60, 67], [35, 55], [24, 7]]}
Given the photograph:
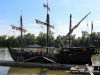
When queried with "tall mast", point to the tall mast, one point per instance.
{"points": [[91, 33], [91, 26], [47, 24], [70, 25], [21, 29], [71, 31]]}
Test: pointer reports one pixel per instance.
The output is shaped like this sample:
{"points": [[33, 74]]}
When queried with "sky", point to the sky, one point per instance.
{"points": [[60, 11]]}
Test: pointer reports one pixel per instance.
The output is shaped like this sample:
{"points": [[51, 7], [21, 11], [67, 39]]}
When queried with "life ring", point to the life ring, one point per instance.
{"points": [[84, 49]]}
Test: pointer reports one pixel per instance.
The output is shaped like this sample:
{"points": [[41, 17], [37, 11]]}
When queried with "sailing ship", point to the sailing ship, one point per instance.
{"points": [[71, 55]]}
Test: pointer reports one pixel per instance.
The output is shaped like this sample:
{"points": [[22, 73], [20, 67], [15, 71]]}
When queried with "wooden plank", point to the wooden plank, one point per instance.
{"points": [[51, 65], [90, 72], [28, 64]]}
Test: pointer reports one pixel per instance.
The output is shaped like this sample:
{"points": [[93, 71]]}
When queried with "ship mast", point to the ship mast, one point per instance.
{"points": [[21, 29], [91, 33], [70, 25], [47, 24], [71, 31]]}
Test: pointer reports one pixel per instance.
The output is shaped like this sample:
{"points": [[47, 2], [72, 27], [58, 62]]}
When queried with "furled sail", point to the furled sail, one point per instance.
{"points": [[46, 6], [39, 22], [18, 28], [71, 31], [76, 26]]}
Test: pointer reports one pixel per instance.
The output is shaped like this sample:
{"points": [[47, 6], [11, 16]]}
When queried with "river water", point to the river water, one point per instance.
{"points": [[5, 70]]}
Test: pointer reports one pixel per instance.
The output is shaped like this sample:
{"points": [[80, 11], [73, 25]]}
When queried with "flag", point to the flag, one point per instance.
{"points": [[46, 6], [66, 45], [21, 13], [48, 0], [92, 25], [77, 67], [21, 16], [87, 24]]}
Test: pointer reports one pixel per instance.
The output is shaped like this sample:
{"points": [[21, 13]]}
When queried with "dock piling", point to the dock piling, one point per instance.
{"points": [[95, 67], [90, 72], [99, 68]]}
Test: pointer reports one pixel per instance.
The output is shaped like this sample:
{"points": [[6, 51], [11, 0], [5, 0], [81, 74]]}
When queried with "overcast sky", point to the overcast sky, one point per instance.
{"points": [[60, 11]]}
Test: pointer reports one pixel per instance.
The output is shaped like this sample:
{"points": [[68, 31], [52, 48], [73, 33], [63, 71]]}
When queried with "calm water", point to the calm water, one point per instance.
{"points": [[4, 70]]}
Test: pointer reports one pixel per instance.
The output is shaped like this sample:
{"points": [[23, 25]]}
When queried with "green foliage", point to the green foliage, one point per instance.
{"points": [[3, 41], [30, 39]]}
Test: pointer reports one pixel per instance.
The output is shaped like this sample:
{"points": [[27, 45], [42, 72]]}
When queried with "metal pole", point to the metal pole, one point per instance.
{"points": [[69, 30], [90, 72], [21, 29], [47, 26], [91, 32]]}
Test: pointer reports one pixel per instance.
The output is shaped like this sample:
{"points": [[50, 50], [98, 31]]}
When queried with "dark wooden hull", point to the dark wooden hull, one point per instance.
{"points": [[59, 58], [74, 59], [29, 57]]}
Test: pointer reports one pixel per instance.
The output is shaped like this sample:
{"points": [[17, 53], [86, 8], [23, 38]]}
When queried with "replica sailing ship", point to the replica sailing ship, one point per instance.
{"points": [[75, 55]]}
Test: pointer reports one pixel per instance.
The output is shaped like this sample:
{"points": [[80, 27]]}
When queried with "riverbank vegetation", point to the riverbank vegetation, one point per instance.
{"points": [[30, 39]]}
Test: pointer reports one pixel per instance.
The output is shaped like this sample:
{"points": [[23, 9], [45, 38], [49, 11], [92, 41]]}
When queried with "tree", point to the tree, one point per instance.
{"points": [[58, 41], [3, 41], [29, 39], [11, 40], [41, 39]]}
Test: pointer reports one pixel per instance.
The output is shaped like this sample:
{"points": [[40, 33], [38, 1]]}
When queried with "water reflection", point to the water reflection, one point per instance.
{"points": [[42, 49], [96, 60], [4, 55], [37, 71], [4, 70]]}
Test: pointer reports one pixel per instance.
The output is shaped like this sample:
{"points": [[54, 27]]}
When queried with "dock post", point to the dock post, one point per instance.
{"points": [[99, 68], [95, 67], [90, 72]]}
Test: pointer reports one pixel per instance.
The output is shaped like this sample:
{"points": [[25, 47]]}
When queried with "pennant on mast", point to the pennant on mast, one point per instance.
{"points": [[18, 28], [87, 24], [71, 31], [92, 25], [21, 13], [46, 6], [39, 22]]}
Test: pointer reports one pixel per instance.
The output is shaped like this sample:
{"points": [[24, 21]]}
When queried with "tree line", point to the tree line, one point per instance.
{"points": [[30, 39]]}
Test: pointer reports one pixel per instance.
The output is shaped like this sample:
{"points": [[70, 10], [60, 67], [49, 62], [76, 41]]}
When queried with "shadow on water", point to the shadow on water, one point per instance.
{"points": [[4, 70], [38, 71]]}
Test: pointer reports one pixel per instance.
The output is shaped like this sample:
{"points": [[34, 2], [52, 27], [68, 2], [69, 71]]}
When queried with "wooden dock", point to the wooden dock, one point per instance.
{"points": [[38, 65], [82, 69]]}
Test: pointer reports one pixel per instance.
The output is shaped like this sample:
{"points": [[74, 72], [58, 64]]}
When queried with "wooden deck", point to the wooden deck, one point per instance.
{"points": [[82, 69], [29, 64]]}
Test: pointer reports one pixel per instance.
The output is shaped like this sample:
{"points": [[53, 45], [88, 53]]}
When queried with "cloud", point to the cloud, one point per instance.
{"points": [[62, 26], [96, 22], [64, 1], [61, 3], [84, 24], [34, 25], [2, 20], [64, 29], [74, 19], [59, 21]]}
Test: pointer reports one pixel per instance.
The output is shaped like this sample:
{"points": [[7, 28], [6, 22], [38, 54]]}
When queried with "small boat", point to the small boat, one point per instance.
{"points": [[34, 45], [70, 55]]}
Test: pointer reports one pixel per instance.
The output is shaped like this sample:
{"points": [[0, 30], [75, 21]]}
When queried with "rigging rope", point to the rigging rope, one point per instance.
{"points": [[57, 31], [88, 30], [59, 12]]}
